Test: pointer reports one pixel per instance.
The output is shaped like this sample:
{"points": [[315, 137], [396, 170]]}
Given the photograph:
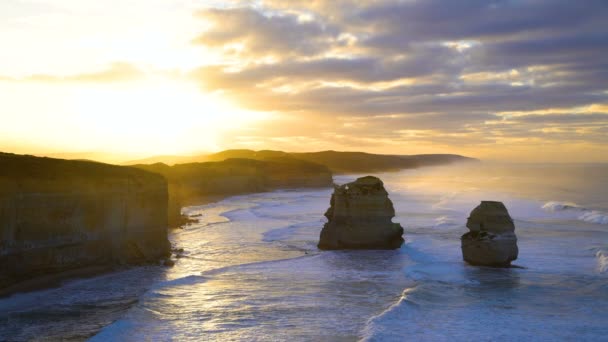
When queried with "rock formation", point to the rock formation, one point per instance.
{"points": [[59, 216], [491, 240], [360, 218]]}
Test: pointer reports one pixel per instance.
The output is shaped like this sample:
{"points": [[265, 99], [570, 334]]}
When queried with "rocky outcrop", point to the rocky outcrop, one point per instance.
{"points": [[62, 215], [360, 217], [491, 240]]}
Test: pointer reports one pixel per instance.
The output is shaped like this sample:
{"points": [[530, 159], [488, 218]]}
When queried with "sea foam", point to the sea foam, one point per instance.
{"points": [[602, 260], [582, 213]]}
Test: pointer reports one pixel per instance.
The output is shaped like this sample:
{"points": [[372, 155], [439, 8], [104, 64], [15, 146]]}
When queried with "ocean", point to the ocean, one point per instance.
{"points": [[251, 271]]}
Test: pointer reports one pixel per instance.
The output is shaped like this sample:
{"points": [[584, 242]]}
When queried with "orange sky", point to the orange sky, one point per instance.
{"points": [[499, 80]]}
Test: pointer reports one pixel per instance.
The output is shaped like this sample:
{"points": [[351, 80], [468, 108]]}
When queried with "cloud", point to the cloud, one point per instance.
{"points": [[401, 22], [116, 72], [404, 70], [260, 34], [560, 119]]}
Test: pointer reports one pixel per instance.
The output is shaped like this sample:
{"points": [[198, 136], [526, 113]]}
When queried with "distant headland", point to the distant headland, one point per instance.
{"points": [[336, 161]]}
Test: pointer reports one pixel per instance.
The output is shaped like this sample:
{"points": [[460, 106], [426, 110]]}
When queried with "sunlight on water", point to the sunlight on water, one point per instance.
{"points": [[250, 270]]}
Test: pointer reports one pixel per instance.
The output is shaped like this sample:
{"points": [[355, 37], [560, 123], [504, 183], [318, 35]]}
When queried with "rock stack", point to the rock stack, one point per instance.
{"points": [[491, 240], [360, 218]]}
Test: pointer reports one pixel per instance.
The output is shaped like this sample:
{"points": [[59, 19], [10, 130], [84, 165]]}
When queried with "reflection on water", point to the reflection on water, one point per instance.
{"points": [[312, 297], [251, 270], [584, 184], [75, 311]]}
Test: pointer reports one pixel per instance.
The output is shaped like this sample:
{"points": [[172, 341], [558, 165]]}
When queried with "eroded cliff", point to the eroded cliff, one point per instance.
{"points": [[190, 183], [60, 215]]}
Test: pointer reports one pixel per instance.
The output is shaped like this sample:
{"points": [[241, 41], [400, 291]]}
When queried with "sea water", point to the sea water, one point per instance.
{"points": [[251, 271]]}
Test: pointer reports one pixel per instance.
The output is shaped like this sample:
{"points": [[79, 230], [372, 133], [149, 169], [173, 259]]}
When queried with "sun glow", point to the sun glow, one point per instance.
{"points": [[160, 116], [156, 115]]}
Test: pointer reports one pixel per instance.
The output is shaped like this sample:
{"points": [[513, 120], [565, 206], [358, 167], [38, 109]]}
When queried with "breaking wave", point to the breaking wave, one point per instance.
{"points": [[602, 260], [582, 213]]}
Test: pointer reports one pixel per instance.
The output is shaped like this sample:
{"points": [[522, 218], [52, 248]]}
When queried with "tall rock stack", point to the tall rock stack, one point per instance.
{"points": [[360, 217], [491, 240]]}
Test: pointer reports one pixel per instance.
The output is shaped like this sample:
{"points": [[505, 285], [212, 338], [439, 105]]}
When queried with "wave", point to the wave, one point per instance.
{"points": [[561, 206], [444, 222], [285, 233], [602, 261], [404, 308], [583, 214]]}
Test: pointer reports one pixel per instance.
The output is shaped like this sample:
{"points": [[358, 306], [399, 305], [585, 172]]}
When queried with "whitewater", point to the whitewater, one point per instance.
{"points": [[250, 270]]}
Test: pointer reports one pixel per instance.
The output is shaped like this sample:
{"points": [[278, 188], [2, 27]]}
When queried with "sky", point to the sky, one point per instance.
{"points": [[523, 81]]}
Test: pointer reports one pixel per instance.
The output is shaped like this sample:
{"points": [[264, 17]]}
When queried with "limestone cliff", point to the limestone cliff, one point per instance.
{"points": [[59, 215], [360, 217], [190, 183]]}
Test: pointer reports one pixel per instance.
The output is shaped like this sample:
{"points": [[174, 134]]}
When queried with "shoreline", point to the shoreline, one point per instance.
{"points": [[54, 280]]}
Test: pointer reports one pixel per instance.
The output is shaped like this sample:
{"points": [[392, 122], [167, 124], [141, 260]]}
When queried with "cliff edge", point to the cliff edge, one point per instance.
{"points": [[62, 215]]}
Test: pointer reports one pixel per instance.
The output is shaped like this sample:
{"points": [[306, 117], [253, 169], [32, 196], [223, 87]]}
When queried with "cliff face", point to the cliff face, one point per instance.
{"points": [[189, 183], [59, 215]]}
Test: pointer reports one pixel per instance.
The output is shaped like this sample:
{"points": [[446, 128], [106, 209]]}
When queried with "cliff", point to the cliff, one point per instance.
{"points": [[193, 182], [62, 215], [337, 162]]}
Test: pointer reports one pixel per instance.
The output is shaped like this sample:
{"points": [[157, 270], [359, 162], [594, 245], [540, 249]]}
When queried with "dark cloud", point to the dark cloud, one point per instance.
{"points": [[591, 118], [260, 34], [447, 66], [426, 61]]}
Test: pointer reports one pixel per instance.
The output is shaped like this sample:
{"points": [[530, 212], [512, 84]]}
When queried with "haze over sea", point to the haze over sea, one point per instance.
{"points": [[251, 270]]}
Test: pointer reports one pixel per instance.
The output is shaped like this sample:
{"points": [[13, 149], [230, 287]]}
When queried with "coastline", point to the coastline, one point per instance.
{"points": [[55, 280]]}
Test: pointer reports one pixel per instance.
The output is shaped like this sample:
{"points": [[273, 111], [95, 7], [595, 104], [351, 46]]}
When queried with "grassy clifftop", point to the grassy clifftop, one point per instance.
{"points": [[16, 166]]}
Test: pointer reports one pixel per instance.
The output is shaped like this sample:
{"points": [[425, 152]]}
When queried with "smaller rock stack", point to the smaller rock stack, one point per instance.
{"points": [[360, 217], [491, 240]]}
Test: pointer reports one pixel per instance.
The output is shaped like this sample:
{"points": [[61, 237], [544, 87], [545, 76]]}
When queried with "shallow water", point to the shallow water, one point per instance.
{"points": [[251, 270]]}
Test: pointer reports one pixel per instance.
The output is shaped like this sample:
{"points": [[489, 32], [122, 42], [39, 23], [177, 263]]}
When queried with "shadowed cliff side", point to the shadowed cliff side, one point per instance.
{"points": [[62, 215], [194, 183]]}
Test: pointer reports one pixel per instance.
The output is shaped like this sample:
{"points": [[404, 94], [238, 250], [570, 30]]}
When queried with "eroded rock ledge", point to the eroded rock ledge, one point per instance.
{"points": [[360, 217]]}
